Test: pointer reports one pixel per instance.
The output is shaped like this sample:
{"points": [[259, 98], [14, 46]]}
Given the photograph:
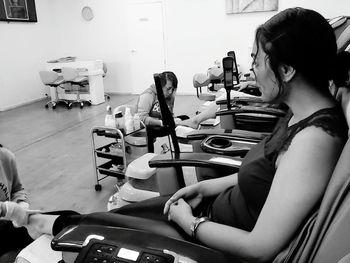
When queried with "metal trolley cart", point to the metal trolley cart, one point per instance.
{"points": [[116, 149]]}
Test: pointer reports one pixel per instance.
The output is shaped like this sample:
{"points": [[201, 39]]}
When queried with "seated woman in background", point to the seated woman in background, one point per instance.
{"points": [[149, 111], [282, 179], [13, 206]]}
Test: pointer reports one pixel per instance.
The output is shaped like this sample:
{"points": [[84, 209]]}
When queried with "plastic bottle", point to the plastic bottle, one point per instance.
{"points": [[137, 122], [109, 119], [129, 121], [119, 120]]}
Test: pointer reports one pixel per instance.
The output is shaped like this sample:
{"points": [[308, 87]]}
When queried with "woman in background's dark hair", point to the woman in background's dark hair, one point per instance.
{"points": [[169, 76]]}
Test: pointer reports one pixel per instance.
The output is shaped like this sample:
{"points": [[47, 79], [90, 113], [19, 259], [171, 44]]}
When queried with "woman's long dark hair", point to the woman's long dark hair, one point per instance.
{"points": [[341, 76], [303, 39]]}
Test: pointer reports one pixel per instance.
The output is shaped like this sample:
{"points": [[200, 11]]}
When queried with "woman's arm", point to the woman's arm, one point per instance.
{"points": [[18, 194], [14, 212], [193, 194], [215, 186], [144, 107], [300, 181], [12, 180]]}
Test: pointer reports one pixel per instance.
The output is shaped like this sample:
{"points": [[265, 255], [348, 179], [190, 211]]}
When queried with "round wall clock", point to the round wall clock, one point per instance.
{"points": [[87, 13]]}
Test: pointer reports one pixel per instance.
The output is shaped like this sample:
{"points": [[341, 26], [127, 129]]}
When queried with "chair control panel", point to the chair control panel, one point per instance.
{"points": [[104, 251]]}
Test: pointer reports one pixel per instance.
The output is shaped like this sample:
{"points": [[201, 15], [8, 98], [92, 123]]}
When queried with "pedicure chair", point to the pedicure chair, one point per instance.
{"points": [[323, 237], [219, 154]]}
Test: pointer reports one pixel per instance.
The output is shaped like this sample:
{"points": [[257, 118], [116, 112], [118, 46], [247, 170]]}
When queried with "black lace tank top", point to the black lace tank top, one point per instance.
{"points": [[240, 205]]}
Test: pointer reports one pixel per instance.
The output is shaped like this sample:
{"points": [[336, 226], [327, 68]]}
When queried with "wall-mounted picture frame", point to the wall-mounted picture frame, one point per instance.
{"points": [[248, 6], [18, 11]]}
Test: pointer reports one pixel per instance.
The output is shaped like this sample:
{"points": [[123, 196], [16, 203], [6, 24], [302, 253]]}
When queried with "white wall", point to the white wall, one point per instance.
{"points": [[24, 46], [197, 33], [61, 31], [104, 37]]}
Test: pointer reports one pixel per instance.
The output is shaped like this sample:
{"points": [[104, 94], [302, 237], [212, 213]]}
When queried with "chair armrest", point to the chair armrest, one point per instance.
{"points": [[251, 109], [224, 145], [205, 160], [136, 240], [236, 100], [243, 135]]}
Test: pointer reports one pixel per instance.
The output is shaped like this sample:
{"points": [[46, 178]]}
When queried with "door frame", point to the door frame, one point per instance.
{"points": [[165, 38]]}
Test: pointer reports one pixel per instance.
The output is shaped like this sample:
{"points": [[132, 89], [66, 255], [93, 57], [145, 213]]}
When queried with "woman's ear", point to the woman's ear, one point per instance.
{"points": [[286, 72]]}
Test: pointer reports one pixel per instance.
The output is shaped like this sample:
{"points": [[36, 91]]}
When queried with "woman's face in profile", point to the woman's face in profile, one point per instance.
{"points": [[168, 89], [264, 76]]}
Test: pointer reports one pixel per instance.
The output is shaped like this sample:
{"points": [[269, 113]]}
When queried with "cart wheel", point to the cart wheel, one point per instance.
{"points": [[98, 187], [81, 105], [46, 106], [53, 107]]}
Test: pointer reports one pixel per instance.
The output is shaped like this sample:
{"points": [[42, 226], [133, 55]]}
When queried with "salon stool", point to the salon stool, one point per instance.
{"points": [[216, 76], [52, 79], [202, 80], [72, 76]]}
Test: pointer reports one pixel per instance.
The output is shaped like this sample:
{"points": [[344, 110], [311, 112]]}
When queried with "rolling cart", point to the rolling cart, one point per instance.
{"points": [[117, 148]]}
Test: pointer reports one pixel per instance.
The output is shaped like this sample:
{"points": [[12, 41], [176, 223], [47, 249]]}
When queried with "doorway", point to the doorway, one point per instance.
{"points": [[146, 42]]}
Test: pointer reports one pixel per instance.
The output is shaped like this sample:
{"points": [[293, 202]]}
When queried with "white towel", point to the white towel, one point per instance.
{"points": [[183, 131], [39, 251]]}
